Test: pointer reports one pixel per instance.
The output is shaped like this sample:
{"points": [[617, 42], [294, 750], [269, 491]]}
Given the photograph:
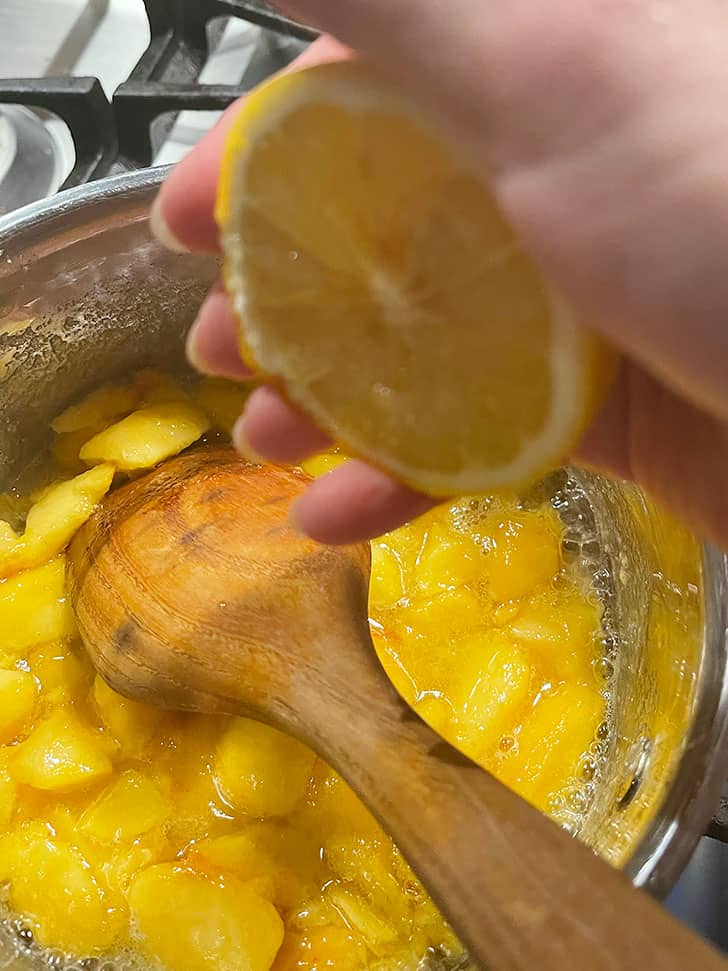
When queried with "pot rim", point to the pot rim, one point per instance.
{"points": [[672, 835]]}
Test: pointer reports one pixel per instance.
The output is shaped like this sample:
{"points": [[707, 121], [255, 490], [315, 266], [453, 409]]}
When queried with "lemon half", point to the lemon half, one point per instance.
{"points": [[377, 282]]}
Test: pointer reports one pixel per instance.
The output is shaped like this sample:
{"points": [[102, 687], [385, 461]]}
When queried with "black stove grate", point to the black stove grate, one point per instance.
{"points": [[117, 136]]}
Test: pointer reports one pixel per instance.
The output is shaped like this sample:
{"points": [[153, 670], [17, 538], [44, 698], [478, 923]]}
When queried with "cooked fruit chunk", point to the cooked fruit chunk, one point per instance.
{"points": [[261, 771], [62, 753], [191, 923], [55, 891], [8, 795], [280, 862], [34, 608], [357, 913], [387, 584], [447, 559], [18, 693], [553, 738], [63, 670], [446, 617], [320, 948], [522, 552], [148, 436], [130, 807], [97, 409], [368, 865], [122, 864], [65, 507], [52, 521], [563, 627], [493, 688], [131, 723]]}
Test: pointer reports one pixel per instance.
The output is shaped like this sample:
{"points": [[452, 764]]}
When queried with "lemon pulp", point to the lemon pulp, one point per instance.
{"points": [[376, 280]]}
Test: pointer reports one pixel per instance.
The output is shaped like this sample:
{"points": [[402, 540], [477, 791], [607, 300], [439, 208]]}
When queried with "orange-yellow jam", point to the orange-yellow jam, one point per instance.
{"points": [[213, 844]]}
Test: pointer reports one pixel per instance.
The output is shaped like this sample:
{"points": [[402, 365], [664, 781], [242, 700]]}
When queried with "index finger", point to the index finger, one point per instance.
{"points": [[183, 213]]}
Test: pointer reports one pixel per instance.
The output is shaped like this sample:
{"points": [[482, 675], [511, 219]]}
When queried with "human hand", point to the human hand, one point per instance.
{"points": [[603, 128]]}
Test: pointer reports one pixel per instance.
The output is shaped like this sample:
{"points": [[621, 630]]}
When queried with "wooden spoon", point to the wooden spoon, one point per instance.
{"points": [[192, 592]]}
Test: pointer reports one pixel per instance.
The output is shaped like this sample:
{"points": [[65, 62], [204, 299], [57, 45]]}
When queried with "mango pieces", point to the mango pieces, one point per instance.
{"points": [[147, 437], [53, 520], [60, 754], [63, 672], [215, 843], [18, 694], [446, 617], [522, 552], [121, 863], [329, 947], [98, 409], [561, 626], [55, 890], [110, 402], [494, 697], [558, 731], [260, 771], [8, 796], [269, 854], [484, 632], [369, 866], [130, 723], [34, 608], [447, 559], [192, 923], [387, 586], [104, 406], [378, 933], [130, 807]]}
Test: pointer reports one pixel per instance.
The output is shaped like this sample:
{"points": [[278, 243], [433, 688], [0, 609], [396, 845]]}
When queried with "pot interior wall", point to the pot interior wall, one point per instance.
{"points": [[82, 314]]}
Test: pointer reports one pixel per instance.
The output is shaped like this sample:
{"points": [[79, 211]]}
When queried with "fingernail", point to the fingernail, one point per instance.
{"points": [[212, 356], [192, 347], [243, 446], [161, 231]]}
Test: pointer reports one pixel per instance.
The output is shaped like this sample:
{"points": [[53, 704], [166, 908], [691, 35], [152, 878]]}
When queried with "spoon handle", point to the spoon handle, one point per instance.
{"points": [[517, 889]]}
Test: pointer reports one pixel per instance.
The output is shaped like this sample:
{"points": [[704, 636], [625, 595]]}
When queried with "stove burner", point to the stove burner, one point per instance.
{"points": [[117, 136], [8, 144], [23, 138]]}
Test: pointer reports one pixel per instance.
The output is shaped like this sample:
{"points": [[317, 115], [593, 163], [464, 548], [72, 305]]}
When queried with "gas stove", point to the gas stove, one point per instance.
{"points": [[96, 87], [90, 88]]}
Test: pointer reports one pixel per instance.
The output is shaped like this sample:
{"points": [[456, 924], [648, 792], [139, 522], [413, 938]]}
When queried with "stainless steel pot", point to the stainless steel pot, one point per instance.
{"points": [[86, 294]]}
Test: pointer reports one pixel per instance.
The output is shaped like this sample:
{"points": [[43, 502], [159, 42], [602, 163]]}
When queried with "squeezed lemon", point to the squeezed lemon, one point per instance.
{"points": [[347, 217]]}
